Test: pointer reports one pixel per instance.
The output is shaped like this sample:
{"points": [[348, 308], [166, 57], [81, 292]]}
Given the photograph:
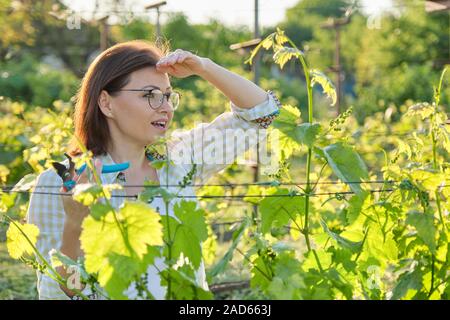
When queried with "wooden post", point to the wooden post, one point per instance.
{"points": [[156, 6], [336, 24], [104, 33]]}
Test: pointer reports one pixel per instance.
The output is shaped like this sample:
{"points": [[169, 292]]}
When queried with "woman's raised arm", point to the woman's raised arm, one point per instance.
{"points": [[239, 90]]}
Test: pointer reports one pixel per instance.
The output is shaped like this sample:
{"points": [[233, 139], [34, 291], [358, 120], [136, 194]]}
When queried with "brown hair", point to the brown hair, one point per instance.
{"points": [[110, 71]]}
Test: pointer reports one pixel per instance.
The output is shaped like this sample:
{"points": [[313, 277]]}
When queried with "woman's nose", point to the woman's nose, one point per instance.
{"points": [[166, 106]]}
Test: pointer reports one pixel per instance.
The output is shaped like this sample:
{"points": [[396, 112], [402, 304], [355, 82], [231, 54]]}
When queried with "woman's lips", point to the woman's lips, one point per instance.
{"points": [[160, 124]]}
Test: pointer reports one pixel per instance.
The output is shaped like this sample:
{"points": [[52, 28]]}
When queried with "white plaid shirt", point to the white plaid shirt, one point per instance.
{"points": [[47, 213]]}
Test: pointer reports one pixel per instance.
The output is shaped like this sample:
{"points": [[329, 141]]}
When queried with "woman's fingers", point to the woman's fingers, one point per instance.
{"points": [[86, 176], [177, 56], [81, 178], [172, 59], [98, 167], [179, 63], [182, 57]]}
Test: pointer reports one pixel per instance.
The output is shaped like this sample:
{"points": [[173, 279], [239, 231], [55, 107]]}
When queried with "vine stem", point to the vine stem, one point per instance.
{"points": [[169, 244], [306, 223], [309, 156], [432, 276], [169, 249], [437, 98]]}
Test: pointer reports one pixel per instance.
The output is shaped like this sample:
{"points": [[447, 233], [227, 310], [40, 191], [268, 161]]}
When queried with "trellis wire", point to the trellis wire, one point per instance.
{"points": [[231, 185], [240, 196]]}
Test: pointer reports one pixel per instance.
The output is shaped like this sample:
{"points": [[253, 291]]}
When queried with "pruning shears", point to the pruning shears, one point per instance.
{"points": [[66, 173]]}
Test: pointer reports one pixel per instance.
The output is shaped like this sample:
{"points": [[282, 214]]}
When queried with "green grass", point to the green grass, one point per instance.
{"points": [[17, 281]]}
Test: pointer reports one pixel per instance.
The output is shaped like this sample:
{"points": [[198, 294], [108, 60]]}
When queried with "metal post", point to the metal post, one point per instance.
{"points": [[156, 6], [104, 33], [337, 62], [256, 76], [257, 61], [158, 26], [336, 25]]}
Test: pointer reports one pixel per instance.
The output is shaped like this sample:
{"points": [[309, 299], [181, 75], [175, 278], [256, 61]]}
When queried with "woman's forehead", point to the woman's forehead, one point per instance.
{"points": [[149, 76]]}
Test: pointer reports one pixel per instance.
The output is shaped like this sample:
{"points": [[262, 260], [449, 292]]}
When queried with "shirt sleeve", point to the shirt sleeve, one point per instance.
{"points": [[213, 146], [46, 211]]}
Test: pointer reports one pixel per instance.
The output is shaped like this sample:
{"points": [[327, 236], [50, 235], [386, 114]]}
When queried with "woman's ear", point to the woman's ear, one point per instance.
{"points": [[104, 103]]}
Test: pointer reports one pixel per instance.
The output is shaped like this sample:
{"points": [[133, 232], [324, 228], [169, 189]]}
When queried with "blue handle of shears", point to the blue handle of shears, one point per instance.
{"points": [[107, 168]]}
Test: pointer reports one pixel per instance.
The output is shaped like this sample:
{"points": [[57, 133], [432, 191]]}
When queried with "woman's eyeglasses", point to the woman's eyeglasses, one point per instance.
{"points": [[155, 97]]}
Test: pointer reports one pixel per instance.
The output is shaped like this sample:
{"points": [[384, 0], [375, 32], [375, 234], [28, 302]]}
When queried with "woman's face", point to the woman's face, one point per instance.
{"points": [[132, 114]]}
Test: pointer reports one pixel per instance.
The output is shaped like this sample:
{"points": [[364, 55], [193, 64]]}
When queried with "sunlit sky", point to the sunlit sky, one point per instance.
{"points": [[231, 12]]}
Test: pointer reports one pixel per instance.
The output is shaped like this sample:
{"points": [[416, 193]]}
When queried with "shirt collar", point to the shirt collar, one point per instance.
{"points": [[109, 178]]}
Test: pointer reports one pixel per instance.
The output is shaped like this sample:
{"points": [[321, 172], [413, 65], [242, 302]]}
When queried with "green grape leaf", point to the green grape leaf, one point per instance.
{"points": [[267, 43], [287, 121], [237, 235], [428, 180], [89, 193], [260, 273], [187, 244], [286, 265], [16, 242], [379, 247], [341, 241], [117, 254], [158, 164], [153, 192], [192, 217], [347, 165], [255, 191], [422, 109], [118, 274], [280, 37], [307, 133], [285, 125], [336, 279], [209, 247], [283, 54], [184, 285], [99, 210], [7, 201], [409, 280], [356, 203], [344, 257], [294, 231], [326, 84], [318, 153], [287, 282], [424, 224], [209, 194], [187, 234], [211, 191], [310, 263], [276, 38], [57, 259], [404, 147], [277, 211], [4, 172]]}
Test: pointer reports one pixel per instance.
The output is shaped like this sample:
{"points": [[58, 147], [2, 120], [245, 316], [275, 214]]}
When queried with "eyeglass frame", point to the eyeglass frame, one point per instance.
{"points": [[167, 95]]}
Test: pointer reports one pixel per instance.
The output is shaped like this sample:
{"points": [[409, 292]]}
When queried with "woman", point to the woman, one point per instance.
{"points": [[125, 104]]}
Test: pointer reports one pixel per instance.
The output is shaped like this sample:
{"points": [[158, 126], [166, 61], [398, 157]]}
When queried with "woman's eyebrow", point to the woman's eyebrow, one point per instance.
{"points": [[156, 87]]}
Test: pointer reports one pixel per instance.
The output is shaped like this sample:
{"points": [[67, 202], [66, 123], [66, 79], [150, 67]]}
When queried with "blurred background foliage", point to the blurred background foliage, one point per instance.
{"points": [[388, 64], [42, 58]]}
